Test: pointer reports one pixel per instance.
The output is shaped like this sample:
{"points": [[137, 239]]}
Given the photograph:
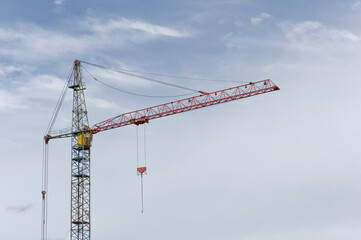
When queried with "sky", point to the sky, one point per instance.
{"points": [[278, 166]]}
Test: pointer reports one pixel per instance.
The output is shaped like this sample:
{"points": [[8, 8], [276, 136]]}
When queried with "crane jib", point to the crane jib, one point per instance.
{"points": [[192, 103]]}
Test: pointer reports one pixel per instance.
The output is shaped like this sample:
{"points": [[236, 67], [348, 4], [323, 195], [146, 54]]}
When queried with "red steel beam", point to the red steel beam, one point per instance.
{"points": [[204, 100]]}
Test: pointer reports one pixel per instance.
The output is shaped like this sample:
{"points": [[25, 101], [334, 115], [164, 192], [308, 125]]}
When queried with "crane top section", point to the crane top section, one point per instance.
{"points": [[204, 100]]}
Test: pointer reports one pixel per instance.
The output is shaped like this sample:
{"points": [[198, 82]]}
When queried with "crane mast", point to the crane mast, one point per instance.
{"points": [[81, 136], [80, 161]]}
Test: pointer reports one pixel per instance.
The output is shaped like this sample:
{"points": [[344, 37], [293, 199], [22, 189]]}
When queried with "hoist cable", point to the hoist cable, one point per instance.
{"points": [[137, 147], [163, 75], [132, 93], [145, 147], [46, 187], [141, 189], [44, 209], [145, 78], [45, 163], [138, 160]]}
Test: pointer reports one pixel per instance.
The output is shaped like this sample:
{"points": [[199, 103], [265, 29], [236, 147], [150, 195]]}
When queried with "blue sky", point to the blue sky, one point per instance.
{"points": [[279, 166]]}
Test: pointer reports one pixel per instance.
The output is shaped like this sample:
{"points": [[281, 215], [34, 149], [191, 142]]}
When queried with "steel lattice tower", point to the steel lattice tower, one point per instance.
{"points": [[80, 161]]}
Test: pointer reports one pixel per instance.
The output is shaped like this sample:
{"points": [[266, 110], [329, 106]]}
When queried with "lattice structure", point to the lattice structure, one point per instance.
{"points": [[80, 161], [204, 100]]}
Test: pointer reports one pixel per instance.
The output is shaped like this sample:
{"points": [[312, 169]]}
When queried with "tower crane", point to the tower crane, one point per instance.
{"points": [[81, 139]]}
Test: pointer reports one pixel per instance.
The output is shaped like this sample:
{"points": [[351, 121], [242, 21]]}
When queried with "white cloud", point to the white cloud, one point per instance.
{"points": [[41, 86], [31, 43], [260, 18], [126, 24], [24, 42], [38, 87], [301, 38], [28, 42], [356, 6], [7, 69], [101, 103], [59, 2], [316, 32], [10, 101]]}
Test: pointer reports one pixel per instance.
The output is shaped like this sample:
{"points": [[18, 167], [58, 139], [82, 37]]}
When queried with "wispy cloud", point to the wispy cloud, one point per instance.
{"points": [[59, 6], [45, 87], [20, 208], [24, 41], [102, 103], [59, 2], [28, 42], [306, 36], [41, 86], [6, 69], [10, 101], [356, 6], [260, 18], [37, 87], [316, 32], [112, 25]]}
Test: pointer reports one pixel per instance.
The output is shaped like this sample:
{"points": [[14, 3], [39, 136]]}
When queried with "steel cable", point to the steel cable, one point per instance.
{"points": [[44, 209], [145, 78], [59, 103], [132, 93], [45, 163], [162, 75]]}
